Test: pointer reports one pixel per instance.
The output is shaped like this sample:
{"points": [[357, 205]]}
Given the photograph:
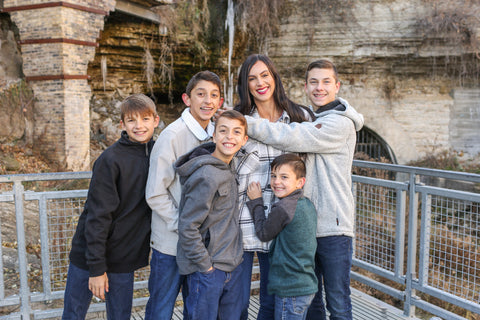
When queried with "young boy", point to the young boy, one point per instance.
{"points": [[202, 98], [210, 241], [113, 231], [330, 143], [291, 224]]}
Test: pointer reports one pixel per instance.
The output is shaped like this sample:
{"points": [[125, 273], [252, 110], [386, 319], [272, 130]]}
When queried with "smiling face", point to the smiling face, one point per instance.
{"points": [[284, 181], [140, 127], [321, 87], [261, 83], [229, 137], [204, 100]]}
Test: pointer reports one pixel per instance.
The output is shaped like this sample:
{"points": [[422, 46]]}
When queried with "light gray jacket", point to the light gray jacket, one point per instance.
{"points": [[330, 144], [163, 186], [208, 226]]}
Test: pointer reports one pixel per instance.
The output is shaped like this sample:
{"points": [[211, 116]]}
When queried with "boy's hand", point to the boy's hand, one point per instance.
{"points": [[98, 285], [254, 190]]}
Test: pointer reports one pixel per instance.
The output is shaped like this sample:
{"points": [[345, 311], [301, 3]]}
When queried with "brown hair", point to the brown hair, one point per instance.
{"points": [[294, 161], [233, 115], [322, 64], [137, 104], [203, 75]]}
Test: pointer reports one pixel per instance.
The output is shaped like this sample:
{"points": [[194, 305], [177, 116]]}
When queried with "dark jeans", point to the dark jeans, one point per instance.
{"points": [[214, 295], [267, 302], [164, 284], [78, 296], [333, 261], [292, 308]]}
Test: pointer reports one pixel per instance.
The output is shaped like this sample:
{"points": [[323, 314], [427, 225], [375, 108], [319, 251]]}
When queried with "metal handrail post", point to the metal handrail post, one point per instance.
{"points": [[18, 190], [409, 307]]}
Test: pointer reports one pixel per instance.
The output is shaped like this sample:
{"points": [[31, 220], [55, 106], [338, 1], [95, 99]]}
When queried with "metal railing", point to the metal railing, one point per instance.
{"points": [[437, 263], [438, 227]]}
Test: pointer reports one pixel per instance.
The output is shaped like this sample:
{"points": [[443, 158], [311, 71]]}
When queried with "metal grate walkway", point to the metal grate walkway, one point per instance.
{"points": [[364, 306]]}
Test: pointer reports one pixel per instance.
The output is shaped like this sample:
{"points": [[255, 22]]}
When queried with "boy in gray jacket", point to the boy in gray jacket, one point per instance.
{"points": [[210, 242]]}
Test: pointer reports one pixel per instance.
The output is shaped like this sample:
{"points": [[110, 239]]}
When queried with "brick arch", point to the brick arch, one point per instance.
{"points": [[58, 39]]}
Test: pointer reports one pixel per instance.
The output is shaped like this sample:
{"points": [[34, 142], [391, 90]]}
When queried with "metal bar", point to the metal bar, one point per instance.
{"points": [[424, 238], [455, 175], [400, 232], [445, 296], [46, 176], [408, 308], [462, 195], [42, 207], [433, 309], [378, 271], [22, 251], [397, 294], [380, 182]]}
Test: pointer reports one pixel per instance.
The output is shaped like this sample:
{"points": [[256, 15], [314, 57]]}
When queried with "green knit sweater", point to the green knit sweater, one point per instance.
{"points": [[292, 225]]}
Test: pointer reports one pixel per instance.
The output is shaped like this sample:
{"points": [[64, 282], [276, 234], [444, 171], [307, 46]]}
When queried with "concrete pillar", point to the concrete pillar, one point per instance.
{"points": [[58, 39]]}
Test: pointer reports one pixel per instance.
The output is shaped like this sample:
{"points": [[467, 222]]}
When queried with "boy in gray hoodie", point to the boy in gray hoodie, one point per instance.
{"points": [[330, 143], [209, 247]]}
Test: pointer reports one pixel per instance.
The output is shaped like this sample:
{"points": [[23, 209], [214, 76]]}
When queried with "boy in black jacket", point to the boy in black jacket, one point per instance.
{"points": [[113, 231]]}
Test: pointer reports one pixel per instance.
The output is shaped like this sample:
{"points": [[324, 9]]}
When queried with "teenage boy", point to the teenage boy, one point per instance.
{"points": [[291, 224], [210, 240], [330, 139], [202, 98], [113, 231]]}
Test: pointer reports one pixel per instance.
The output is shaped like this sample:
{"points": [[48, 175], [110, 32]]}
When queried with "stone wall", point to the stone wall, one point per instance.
{"points": [[58, 39], [405, 82]]}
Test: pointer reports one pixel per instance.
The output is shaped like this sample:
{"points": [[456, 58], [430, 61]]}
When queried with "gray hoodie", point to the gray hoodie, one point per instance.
{"points": [[330, 144], [208, 225]]}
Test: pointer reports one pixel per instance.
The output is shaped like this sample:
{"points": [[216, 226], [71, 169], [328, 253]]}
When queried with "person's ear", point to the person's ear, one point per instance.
{"points": [[186, 99], [300, 183]]}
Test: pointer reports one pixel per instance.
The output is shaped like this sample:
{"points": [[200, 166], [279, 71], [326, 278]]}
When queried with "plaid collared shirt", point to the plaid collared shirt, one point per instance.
{"points": [[252, 164]]}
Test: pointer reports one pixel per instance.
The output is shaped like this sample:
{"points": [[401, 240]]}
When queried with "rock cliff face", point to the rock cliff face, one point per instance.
{"points": [[416, 85], [411, 67]]}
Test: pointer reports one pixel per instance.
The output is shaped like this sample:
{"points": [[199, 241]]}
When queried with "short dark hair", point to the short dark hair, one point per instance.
{"points": [[322, 64], [203, 75], [294, 161], [137, 103], [233, 115]]}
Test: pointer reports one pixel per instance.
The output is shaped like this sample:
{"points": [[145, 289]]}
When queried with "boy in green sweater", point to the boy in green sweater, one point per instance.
{"points": [[291, 224]]}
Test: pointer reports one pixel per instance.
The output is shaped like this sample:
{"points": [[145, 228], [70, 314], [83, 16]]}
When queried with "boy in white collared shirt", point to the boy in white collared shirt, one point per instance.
{"points": [[163, 191]]}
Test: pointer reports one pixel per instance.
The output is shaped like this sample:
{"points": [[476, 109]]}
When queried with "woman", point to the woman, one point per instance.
{"points": [[261, 95]]}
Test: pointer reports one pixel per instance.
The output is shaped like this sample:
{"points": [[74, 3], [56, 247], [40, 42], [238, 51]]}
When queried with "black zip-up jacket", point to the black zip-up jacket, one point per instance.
{"points": [[113, 231]]}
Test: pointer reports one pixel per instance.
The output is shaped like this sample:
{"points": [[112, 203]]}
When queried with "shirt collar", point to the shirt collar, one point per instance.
{"points": [[195, 127], [283, 118]]}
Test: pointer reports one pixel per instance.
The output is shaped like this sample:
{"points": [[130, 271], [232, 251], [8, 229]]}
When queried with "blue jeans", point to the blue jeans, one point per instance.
{"points": [[164, 284], [292, 308], [267, 302], [214, 295], [333, 261], [78, 296]]}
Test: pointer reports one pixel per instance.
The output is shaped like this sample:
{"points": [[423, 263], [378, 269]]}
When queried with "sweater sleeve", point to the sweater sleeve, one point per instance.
{"points": [[161, 175], [268, 228], [102, 202], [326, 134], [199, 192]]}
